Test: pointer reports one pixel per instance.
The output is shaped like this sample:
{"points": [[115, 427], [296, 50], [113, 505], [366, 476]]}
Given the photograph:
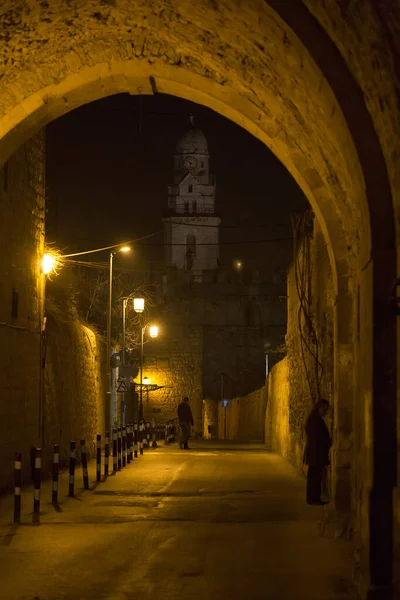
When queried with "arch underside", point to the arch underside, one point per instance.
{"points": [[251, 69]]}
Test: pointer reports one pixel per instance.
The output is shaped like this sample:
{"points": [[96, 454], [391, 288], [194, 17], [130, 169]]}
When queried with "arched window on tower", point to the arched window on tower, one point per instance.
{"points": [[190, 250]]}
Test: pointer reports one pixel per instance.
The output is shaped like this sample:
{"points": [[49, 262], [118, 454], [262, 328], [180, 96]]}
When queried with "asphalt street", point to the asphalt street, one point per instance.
{"points": [[216, 522]]}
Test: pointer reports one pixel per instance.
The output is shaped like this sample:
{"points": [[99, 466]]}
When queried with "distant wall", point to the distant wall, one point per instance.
{"points": [[277, 435], [245, 417]]}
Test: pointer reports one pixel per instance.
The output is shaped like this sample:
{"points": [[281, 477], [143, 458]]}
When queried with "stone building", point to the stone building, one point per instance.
{"points": [[215, 321]]}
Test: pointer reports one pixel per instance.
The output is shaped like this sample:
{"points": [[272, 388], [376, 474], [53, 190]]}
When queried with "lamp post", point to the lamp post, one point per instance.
{"points": [[138, 305], [49, 265], [109, 323]]}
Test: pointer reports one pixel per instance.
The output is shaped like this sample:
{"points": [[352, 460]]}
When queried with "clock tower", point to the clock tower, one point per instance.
{"points": [[191, 227]]}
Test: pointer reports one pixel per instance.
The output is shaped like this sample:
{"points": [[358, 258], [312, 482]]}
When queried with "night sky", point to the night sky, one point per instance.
{"points": [[110, 162]]}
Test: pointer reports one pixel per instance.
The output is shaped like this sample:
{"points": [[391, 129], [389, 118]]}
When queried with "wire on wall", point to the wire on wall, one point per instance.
{"points": [[302, 235]]}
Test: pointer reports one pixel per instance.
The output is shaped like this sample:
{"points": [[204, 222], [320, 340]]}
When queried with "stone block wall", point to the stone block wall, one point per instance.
{"points": [[22, 186], [300, 364], [174, 360]]}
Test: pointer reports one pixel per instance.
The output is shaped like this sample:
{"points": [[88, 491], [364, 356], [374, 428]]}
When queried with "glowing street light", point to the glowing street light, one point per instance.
{"points": [[49, 263], [138, 305], [124, 249], [146, 380], [153, 331]]}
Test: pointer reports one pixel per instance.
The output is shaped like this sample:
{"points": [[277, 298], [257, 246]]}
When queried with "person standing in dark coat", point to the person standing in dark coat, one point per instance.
{"points": [[316, 454], [185, 421]]}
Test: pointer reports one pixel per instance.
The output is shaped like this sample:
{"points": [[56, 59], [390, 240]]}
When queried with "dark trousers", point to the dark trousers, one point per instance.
{"points": [[185, 433], [314, 484]]}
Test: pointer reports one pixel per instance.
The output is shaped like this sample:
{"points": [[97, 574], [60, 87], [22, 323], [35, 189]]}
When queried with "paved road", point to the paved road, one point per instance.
{"points": [[213, 523]]}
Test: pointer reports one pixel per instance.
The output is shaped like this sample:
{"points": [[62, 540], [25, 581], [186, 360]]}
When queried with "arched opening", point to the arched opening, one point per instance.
{"points": [[288, 85]]}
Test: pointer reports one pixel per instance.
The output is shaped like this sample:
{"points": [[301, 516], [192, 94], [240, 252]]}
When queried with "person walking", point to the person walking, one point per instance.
{"points": [[316, 454], [185, 418]]}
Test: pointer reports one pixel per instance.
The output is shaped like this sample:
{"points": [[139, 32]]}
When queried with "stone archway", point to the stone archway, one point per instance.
{"points": [[278, 70]]}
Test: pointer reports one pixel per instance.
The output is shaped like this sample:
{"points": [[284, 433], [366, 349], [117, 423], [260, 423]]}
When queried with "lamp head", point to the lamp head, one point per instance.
{"points": [[138, 305], [125, 249], [153, 331], [146, 380], [49, 263]]}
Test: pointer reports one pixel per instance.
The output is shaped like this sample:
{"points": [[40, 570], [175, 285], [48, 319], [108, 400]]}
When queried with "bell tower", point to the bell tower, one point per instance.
{"points": [[191, 227]]}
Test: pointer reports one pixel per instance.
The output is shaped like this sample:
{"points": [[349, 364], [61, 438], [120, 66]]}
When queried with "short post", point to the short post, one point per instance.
{"points": [[119, 439], [115, 457], [71, 490], [106, 453], [148, 434], [129, 444], [56, 467], [98, 457], [141, 432], [124, 446], [135, 439], [153, 435], [166, 434], [131, 441], [36, 491], [84, 465], [17, 487]]}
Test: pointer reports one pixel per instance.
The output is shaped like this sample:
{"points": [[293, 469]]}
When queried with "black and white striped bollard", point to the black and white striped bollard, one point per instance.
{"points": [[106, 454], [71, 487], [141, 437], [56, 467], [115, 456], [98, 457], [124, 446], [17, 487], [132, 441], [36, 492], [119, 440], [84, 465], [128, 444], [135, 439]]}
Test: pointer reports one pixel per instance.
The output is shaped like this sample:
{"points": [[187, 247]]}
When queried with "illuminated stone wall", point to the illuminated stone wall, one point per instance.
{"points": [[75, 398]]}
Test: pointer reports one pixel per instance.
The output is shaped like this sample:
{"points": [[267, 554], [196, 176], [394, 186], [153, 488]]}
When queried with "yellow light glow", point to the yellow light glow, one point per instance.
{"points": [[125, 249], [138, 305], [146, 381], [49, 263], [153, 331]]}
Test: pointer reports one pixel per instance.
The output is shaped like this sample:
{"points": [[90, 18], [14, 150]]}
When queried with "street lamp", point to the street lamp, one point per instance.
{"points": [[153, 333], [123, 249], [49, 263], [138, 305]]}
